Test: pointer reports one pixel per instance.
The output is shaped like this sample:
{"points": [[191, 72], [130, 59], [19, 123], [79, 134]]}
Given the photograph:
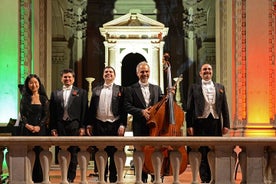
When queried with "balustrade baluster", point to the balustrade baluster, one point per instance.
{"points": [[138, 159], [101, 160], [120, 160], [45, 158], [30, 164], [176, 159], [157, 160], [64, 158], [194, 159], [83, 158]]}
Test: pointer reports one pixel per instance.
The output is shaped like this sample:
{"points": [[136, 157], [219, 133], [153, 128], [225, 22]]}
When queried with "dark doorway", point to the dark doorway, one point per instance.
{"points": [[129, 64]]}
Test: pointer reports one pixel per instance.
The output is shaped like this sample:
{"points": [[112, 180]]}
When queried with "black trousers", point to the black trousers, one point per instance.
{"points": [[206, 127], [101, 128], [70, 128]]}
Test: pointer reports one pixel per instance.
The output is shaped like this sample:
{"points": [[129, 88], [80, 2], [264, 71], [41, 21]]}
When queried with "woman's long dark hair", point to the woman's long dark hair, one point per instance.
{"points": [[26, 89]]}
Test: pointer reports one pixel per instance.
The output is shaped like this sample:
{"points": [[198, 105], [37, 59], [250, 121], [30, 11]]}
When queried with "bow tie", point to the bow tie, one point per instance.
{"points": [[206, 82], [67, 88], [107, 86], [144, 85]]}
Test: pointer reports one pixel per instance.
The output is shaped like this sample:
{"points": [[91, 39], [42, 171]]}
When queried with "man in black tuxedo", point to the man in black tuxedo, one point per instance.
{"points": [[68, 108], [207, 114], [107, 116], [139, 97]]}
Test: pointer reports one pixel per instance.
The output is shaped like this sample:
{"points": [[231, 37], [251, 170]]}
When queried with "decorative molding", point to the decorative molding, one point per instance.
{"points": [[25, 27], [195, 16], [75, 18], [133, 26], [223, 76], [240, 58], [271, 52], [42, 40]]}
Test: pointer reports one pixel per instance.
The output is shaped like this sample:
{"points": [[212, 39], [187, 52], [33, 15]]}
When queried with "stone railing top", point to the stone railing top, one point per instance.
{"points": [[121, 141]]}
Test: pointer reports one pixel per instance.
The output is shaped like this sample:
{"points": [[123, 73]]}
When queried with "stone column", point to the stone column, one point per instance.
{"points": [[17, 162], [220, 161], [155, 63], [64, 158], [272, 164], [194, 159], [138, 158], [83, 158], [157, 160], [176, 160], [45, 158], [101, 160], [120, 160], [111, 55], [30, 165], [255, 160]]}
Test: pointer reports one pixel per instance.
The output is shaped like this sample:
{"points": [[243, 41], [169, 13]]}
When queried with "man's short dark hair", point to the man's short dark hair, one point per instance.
{"points": [[110, 68], [67, 70]]}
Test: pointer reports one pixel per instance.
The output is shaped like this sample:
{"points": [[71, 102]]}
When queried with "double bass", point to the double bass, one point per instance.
{"points": [[166, 119]]}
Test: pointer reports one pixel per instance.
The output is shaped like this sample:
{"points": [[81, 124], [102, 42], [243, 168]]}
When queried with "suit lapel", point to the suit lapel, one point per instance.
{"points": [[201, 95], [74, 92], [60, 96], [139, 93], [217, 94], [152, 94], [115, 90]]}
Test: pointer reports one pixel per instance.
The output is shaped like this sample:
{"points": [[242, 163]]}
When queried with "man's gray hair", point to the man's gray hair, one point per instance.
{"points": [[141, 63]]}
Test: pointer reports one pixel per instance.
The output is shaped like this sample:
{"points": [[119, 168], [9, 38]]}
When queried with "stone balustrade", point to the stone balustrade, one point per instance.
{"points": [[258, 157]]}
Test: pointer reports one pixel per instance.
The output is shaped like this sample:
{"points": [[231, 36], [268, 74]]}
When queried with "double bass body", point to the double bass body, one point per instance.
{"points": [[163, 123]]}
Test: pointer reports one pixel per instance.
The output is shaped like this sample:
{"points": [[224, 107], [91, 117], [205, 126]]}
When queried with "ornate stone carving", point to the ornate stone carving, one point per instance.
{"points": [[25, 28], [240, 58]]}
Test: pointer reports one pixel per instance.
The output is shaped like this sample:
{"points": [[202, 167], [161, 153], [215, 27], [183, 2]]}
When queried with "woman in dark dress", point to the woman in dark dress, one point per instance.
{"points": [[34, 111]]}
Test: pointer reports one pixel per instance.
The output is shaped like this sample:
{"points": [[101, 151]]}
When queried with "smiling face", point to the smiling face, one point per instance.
{"points": [[108, 75], [67, 79], [33, 85], [206, 72], [143, 72]]}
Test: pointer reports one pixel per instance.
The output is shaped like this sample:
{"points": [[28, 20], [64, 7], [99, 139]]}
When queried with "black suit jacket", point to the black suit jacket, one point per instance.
{"points": [[117, 107], [77, 107], [196, 103], [135, 103]]}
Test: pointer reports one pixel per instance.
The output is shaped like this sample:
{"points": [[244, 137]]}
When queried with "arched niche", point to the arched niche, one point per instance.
{"points": [[135, 33]]}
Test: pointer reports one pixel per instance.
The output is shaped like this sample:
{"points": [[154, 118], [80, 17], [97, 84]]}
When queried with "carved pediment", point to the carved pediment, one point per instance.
{"points": [[133, 26]]}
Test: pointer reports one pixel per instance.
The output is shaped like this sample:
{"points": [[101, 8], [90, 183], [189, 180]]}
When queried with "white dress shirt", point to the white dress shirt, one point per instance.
{"points": [[146, 92], [104, 112], [209, 92]]}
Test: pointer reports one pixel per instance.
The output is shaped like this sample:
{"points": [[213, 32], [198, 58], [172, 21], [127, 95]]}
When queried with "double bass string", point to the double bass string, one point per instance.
{"points": [[167, 67]]}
